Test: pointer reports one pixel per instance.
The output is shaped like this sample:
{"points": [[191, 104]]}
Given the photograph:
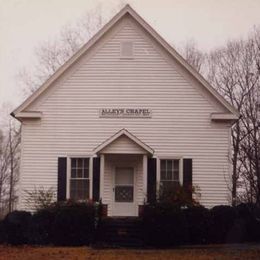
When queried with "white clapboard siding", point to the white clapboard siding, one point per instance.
{"points": [[180, 125]]}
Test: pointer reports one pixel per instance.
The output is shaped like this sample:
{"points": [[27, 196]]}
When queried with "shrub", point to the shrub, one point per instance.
{"points": [[248, 223], [74, 224], [164, 225], [222, 220], [177, 195], [41, 227], [40, 198], [68, 224], [16, 226], [198, 223], [167, 225], [2, 232]]}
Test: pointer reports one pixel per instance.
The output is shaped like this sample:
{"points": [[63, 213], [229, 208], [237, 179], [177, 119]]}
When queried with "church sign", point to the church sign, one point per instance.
{"points": [[125, 112]]}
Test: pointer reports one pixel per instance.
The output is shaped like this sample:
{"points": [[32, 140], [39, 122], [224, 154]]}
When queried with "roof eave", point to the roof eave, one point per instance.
{"points": [[27, 115], [224, 117]]}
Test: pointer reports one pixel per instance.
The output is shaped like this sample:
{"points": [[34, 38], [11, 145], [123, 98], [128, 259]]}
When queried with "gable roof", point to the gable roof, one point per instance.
{"points": [[123, 132], [126, 10]]}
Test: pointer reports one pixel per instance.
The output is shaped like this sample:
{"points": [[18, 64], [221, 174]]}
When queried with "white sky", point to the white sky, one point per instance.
{"points": [[24, 24]]}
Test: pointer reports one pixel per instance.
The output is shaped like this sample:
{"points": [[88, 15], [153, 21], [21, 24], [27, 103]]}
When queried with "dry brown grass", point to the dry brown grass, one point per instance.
{"points": [[80, 253]]}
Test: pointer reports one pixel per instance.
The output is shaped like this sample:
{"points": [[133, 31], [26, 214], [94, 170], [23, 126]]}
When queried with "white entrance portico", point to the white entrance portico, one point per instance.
{"points": [[123, 173]]}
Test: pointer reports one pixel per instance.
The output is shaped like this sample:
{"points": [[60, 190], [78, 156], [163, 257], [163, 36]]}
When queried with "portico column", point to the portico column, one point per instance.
{"points": [[145, 177], [102, 174]]}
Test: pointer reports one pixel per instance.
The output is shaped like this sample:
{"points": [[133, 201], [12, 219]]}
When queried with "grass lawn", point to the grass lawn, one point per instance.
{"points": [[40, 253]]}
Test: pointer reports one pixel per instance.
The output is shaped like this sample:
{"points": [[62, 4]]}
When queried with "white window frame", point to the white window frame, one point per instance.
{"points": [[90, 174], [159, 169], [122, 57]]}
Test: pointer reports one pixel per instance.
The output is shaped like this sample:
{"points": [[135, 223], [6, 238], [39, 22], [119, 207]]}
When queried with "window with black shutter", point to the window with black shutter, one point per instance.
{"points": [[169, 175], [79, 179]]}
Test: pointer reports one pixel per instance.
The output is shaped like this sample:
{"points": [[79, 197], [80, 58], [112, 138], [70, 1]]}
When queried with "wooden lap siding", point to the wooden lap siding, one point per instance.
{"points": [[180, 124]]}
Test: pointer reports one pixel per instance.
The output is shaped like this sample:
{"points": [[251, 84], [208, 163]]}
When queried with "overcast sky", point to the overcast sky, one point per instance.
{"points": [[24, 24]]}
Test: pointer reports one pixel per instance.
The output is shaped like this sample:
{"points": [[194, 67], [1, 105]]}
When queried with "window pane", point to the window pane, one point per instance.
{"points": [[170, 185], [176, 175], [166, 175], [170, 170], [79, 164], [163, 165], [163, 175], [124, 176], [176, 170], [86, 173], [176, 165], [73, 163], [79, 173], [86, 163], [169, 165], [169, 174], [79, 189], [73, 173]]}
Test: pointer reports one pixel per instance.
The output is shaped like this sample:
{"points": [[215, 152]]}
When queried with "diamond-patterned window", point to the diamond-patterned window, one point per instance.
{"points": [[124, 194], [124, 184]]}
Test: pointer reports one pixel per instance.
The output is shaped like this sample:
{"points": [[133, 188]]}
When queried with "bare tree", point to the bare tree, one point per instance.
{"points": [[234, 71], [9, 165], [52, 54], [40, 197], [250, 145], [221, 68], [13, 145], [195, 57]]}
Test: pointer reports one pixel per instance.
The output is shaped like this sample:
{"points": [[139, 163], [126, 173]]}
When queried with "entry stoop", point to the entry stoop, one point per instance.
{"points": [[120, 232]]}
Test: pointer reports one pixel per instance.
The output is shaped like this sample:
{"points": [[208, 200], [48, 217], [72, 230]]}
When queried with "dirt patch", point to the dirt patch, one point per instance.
{"points": [[80, 253]]}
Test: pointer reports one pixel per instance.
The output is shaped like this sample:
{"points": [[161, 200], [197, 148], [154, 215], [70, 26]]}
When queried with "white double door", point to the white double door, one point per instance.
{"points": [[124, 192]]}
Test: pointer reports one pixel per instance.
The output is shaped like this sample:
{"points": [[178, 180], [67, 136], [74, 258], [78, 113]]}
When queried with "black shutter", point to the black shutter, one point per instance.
{"points": [[96, 178], [62, 178], [187, 176], [151, 180]]}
